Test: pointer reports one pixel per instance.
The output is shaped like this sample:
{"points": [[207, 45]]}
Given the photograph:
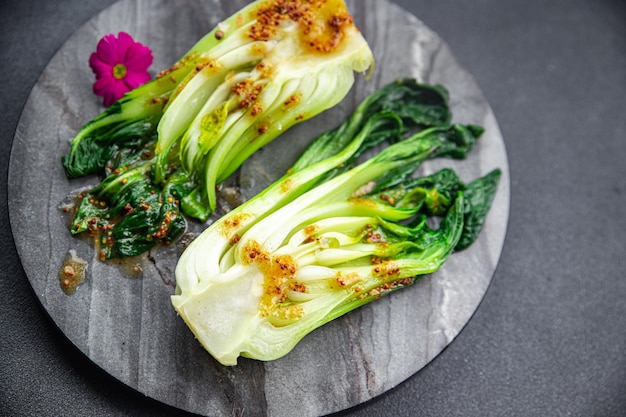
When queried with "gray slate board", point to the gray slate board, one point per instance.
{"points": [[126, 325]]}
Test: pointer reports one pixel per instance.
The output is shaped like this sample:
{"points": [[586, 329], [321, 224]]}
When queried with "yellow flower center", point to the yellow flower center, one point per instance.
{"points": [[119, 71]]}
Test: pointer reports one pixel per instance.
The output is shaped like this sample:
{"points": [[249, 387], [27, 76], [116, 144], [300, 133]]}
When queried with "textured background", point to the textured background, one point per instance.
{"points": [[548, 337]]}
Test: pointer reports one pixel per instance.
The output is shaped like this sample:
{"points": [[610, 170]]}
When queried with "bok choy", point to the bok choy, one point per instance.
{"points": [[171, 141], [349, 223]]}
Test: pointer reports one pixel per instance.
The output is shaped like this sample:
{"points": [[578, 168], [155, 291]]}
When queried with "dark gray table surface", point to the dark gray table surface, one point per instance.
{"points": [[549, 337]]}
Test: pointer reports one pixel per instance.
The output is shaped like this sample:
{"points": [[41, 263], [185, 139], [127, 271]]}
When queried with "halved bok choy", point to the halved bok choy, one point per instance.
{"points": [[348, 224], [271, 65]]}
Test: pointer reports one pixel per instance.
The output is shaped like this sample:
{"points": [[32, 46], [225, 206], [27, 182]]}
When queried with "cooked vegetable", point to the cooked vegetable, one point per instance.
{"points": [[334, 233], [271, 65]]}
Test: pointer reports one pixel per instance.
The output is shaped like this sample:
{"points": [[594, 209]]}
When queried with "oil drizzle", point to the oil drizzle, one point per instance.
{"points": [[72, 272]]}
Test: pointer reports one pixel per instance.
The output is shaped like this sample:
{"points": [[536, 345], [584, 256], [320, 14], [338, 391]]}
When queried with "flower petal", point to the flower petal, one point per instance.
{"points": [[135, 79], [107, 49], [138, 58], [119, 89], [102, 85], [104, 88], [108, 98], [111, 89], [114, 92], [124, 41], [99, 68]]}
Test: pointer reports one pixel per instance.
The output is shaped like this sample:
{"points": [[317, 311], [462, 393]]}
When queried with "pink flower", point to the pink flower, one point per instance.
{"points": [[120, 65]]}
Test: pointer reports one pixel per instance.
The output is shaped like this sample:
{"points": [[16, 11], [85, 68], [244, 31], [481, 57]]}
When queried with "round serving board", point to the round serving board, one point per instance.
{"points": [[124, 321]]}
